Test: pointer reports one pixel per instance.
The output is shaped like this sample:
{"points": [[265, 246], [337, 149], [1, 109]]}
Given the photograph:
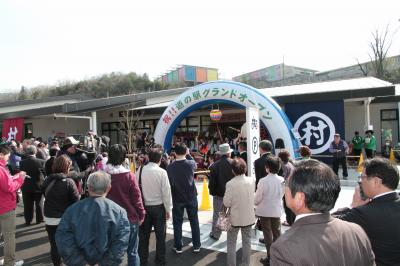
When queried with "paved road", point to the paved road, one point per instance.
{"points": [[33, 246]]}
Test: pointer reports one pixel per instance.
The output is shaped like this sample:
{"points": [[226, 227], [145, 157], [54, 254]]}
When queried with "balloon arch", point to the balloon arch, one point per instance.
{"points": [[235, 93]]}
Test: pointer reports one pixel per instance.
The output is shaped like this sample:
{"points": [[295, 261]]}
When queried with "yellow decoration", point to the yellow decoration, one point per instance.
{"points": [[133, 166], [391, 157], [360, 163], [215, 115], [205, 199]]}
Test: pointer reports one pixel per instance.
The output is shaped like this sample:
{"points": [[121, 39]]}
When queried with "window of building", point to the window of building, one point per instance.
{"points": [[114, 130], [389, 128], [28, 130]]}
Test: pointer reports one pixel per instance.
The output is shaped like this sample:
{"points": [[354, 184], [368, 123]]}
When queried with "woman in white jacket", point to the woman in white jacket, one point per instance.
{"points": [[239, 197], [268, 201]]}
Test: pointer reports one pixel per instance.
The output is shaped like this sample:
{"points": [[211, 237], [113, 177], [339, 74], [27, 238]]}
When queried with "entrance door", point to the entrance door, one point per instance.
{"points": [[389, 130]]}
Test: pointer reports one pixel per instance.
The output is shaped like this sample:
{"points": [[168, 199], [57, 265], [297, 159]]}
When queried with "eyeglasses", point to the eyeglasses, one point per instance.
{"points": [[362, 176]]}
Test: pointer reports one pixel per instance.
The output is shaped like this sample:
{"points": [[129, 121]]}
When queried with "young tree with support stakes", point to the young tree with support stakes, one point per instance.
{"points": [[130, 120]]}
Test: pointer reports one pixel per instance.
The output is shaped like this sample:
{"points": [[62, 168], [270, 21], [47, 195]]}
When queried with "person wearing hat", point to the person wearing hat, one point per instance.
{"points": [[220, 174], [339, 150], [370, 144], [80, 168]]}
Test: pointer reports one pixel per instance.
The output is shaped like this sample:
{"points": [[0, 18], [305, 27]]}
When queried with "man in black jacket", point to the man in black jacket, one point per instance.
{"points": [[81, 165], [259, 164], [31, 193], [220, 174], [379, 215], [242, 147]]}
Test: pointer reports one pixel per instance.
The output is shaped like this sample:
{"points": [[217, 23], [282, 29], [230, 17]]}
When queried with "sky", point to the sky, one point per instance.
{"points": [[47, 42]]}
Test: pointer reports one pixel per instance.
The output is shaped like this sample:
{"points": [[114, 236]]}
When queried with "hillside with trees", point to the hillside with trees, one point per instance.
{"points": [[106, 85]]}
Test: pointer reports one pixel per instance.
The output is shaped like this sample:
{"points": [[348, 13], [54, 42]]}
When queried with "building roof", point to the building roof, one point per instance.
{"points": [[331, 90], [153, 106], [134, 100], [44, 106], [321, 91], [45, 100]]}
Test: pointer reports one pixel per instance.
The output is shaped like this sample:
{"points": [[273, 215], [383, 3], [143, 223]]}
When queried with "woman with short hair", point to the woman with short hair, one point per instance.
{"points": [[125, 192], [239, 197], [268, 201], [60, 192], [305, 152]]}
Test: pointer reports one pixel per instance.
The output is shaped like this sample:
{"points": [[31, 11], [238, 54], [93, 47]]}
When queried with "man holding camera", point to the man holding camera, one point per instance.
{"points": [[379, 214]]}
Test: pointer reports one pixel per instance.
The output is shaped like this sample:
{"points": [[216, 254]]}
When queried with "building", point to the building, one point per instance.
{"points": [[284, 75], [353, 104], [272, 75], [186, 75]]}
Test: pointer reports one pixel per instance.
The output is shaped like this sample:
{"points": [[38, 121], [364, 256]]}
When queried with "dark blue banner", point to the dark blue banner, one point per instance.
{"points": [[317, 122]]}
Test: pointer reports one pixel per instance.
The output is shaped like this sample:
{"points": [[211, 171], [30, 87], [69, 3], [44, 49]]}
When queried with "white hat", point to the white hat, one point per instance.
{"points": [[72, 140], [225, 148]]}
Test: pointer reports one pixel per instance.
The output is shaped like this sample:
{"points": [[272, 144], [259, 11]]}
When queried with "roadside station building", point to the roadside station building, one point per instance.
{"points": [[316, 110]]}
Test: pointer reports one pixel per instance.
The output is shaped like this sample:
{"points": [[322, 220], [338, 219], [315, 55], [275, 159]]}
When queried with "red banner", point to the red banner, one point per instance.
{"points": [[13, 129]]}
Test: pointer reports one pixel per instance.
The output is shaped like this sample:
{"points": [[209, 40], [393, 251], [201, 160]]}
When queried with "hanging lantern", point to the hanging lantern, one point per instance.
{"points": [[215, 115]]}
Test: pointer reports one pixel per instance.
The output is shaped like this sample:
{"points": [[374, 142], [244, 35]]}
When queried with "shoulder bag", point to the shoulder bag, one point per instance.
{"points": [[224, 219]]}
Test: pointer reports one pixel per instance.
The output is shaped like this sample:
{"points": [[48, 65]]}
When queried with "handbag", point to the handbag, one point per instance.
{"points": [[140, 184], [258, 224], [40, 180], [224, 219]]}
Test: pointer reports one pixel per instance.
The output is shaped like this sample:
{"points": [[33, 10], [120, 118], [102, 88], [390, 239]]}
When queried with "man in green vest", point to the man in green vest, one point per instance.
{"points": [[370, 144], [358, 143]]}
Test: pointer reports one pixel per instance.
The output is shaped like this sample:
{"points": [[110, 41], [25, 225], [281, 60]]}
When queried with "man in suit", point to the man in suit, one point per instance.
{"points": [[379, 214], [316, 238], [31, 193], [242, 147], [259, 164], [220, 174]]}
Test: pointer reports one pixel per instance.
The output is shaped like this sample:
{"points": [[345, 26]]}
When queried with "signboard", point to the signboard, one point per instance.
{"points": [[234, 93], [253, 139], [13, 129], [316, 123]]}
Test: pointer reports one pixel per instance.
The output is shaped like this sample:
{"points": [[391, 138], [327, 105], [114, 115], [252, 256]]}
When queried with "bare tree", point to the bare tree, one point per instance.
{"points": [[380, 46], [130, 119], [363, 68]]}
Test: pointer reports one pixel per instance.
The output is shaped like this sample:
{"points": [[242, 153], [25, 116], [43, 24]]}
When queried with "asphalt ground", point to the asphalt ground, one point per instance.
{"points": [[32, 245]]}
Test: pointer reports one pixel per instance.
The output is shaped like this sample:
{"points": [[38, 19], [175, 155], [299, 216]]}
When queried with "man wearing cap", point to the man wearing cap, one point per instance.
{"points": [[370, 144], [220, 174], [339, 149], [81, 167]]}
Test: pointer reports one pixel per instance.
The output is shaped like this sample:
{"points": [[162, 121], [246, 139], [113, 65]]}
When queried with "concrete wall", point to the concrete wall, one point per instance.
{"points": [[354, 119], [47, 127]]}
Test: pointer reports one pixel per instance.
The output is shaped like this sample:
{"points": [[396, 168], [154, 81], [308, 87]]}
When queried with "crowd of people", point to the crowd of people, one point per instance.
{"points": [[96, 209]]}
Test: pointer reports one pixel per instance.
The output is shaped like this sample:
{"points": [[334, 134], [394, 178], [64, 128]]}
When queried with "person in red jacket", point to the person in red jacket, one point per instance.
{"points": [[126, 193], [8, 186]]}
